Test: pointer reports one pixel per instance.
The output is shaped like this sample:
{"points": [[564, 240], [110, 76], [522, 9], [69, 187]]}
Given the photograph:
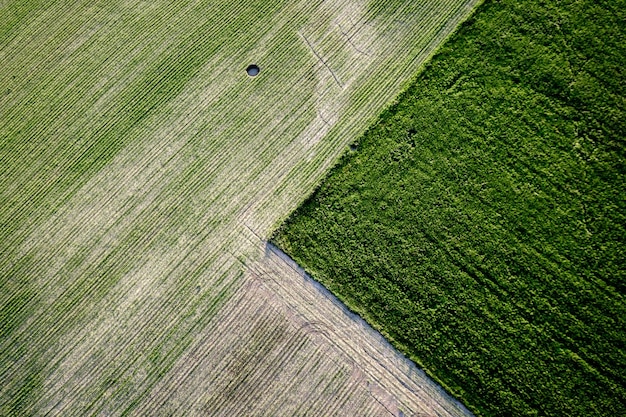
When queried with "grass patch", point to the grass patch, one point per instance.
{"points": [[480, 223]]}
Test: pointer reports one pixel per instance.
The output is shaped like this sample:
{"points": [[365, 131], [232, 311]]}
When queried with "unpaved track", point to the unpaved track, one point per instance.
{"points": [[149, 287]]}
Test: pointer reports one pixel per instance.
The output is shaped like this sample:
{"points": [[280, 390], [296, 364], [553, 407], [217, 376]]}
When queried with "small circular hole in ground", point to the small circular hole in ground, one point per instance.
{"points": [[354, 147], [253, 70]]}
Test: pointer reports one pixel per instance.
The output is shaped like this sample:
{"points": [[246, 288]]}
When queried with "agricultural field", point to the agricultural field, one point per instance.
{"points": [[143, 169], [480, 222]]}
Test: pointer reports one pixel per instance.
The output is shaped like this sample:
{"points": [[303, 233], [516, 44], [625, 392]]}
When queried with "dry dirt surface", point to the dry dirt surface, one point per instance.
{"points": [[143, 170]]}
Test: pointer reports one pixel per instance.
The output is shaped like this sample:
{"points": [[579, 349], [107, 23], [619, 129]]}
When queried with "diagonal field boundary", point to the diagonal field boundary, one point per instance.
{"points": [[142, 171]]}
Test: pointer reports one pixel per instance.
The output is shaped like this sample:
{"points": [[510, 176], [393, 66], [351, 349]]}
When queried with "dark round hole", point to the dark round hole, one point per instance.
{"points": [[253, 70]]}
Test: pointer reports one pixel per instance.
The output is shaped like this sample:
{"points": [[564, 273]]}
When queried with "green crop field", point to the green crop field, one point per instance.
{"points": [[141, 169], [480, 223]]}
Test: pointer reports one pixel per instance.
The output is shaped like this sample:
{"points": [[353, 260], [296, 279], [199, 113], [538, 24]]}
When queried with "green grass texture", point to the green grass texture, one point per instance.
{"points": [[480, 222]]}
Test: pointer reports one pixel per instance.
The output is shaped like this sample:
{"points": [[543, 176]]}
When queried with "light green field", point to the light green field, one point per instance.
{"points": [[142, 169]]}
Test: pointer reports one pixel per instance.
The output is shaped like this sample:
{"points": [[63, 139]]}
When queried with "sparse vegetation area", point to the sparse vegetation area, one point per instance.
{"points": [[480, 223]]}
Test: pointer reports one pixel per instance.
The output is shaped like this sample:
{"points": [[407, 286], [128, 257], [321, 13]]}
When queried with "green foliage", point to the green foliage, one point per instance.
{"points": [[481, 222]]}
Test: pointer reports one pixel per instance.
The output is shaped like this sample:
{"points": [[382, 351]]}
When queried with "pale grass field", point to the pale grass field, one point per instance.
{"points": [[135, 276]]}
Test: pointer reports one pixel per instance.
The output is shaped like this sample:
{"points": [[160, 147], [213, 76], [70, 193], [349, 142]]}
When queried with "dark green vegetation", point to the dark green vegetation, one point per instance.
{"points": [[481, 222]]}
